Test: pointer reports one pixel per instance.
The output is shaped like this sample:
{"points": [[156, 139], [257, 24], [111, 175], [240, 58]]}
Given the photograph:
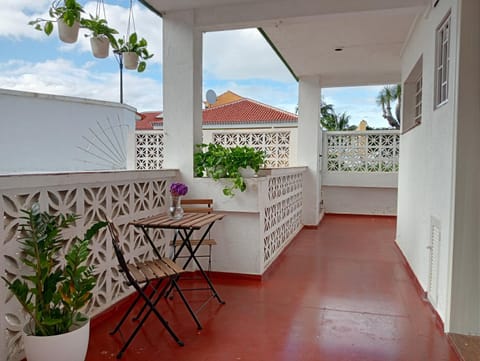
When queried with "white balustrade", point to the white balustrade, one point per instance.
{"points": [[120, 196], [368, 151]]}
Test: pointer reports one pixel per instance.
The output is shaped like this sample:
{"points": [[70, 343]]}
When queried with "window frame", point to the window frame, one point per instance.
{"points": [[442, 61], [412, 98], [418, 99]]}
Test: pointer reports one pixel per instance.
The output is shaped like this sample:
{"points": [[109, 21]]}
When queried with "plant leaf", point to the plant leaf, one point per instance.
{"points": [[48, 28]]}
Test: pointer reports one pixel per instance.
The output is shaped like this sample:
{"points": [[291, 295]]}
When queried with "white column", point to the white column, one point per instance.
{"points": [[182, 90], [464, 315], [310, 146]]}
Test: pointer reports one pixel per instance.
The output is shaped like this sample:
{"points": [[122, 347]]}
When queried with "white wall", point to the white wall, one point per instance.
{"points": [[465, 292], [426, 159], [360, 200], [43, 133]]}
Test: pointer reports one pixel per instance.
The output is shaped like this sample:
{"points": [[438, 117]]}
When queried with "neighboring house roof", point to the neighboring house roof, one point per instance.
{"points": [[246, 111], [236, 112], [225, 98], [149, 121]]}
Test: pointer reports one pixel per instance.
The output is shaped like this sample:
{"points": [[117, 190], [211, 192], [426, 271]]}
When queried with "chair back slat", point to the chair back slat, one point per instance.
{"points": [[193, 205]]}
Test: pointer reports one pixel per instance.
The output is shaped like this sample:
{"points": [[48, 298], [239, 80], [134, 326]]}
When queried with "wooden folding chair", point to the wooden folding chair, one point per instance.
{"points": [[151, 279], [196, 206]]}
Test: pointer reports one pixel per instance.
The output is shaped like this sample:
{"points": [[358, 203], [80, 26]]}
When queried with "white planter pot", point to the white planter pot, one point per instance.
{"points": [[100, 46], [130, 60], [68, 34], [71, 346], [247, 172]]}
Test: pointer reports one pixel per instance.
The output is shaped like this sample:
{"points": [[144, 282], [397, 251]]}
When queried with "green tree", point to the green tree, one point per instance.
{"points": [[332, 121], [387, 96]]}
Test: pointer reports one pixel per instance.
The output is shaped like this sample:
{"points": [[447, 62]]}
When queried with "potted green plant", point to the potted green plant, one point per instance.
{"points": [[67, 14], [132, 50], [55, 290], [101, 35], [217, 161]]}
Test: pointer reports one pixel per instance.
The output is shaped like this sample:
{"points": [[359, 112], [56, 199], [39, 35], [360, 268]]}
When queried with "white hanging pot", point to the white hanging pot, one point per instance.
{"points": [[71, 346], [130, 60], [100, 46], [68, 34]]}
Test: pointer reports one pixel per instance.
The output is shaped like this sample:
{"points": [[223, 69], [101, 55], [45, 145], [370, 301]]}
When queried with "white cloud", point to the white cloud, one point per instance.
{"points": [[62, 77], [242, 54], [17, 13]]}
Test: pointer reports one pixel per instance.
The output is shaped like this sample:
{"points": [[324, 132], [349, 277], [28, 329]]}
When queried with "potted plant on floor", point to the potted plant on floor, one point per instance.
{"points": [[101, 35], [132, 50], [55, 290], [67, 14], [217, 161]]}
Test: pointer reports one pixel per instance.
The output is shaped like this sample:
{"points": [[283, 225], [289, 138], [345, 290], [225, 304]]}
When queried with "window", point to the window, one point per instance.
{"points": [[412, 98], [442, 62], [418, 100]]}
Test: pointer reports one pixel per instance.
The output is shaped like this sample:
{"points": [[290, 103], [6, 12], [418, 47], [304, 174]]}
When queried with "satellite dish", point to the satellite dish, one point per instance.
{"points": [[211, 96]]}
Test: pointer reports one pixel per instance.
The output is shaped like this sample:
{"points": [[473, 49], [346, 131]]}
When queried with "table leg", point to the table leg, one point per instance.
{"points": [[186, 242]]}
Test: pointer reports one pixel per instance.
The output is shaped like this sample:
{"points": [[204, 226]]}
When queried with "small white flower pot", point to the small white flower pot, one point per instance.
{"points": [[100, 46], [130, 60], [68, 34]]}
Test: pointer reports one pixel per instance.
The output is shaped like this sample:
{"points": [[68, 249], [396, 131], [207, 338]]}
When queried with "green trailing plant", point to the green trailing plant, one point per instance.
{"points": [[135, 45], [67, 10], [217, 161], [99, 27], [55, 290]]}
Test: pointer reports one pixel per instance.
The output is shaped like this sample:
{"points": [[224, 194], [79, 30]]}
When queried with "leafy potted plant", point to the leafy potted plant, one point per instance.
{"points": [[67, 14], [132, 50], [55, 290], [101, 35], [217, 161]]}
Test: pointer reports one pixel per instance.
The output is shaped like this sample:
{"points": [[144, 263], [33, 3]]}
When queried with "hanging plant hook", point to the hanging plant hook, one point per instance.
{"points": [[100, 7], [131, 20]]}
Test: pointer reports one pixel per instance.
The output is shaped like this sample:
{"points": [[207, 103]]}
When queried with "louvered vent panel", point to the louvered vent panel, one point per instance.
{"points": [[434, 249]]}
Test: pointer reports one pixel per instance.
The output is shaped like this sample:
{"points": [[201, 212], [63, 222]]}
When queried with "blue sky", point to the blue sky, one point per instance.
{"points": [[240, 61]]}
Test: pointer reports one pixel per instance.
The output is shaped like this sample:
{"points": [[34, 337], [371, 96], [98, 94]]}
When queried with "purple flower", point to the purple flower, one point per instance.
{"points": [[178, 189]]}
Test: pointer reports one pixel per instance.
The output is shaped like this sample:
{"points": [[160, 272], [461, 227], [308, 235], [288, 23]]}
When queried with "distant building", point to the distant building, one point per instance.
{"points": [[231, 120], [230, 111]]}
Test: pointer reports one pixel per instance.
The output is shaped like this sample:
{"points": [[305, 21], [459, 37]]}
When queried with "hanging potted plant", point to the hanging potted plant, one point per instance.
{"points": [[134, 52], [67, 14], [101, 35], [55, 290]]}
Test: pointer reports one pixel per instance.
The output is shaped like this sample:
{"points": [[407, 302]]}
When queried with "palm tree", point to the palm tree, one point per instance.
{"points": [[385, 98], [332, 121]]}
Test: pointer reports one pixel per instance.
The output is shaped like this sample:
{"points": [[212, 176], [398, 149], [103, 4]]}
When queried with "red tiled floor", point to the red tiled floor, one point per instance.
{"points": [[338, 293]]}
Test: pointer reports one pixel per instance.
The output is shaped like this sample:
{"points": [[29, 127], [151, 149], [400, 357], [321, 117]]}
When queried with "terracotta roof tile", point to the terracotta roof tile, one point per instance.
{"points": [[148, 120], [243, 111], [246, 111]]}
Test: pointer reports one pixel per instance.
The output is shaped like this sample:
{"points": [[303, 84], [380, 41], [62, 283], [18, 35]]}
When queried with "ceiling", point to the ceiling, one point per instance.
{"points": [[369, 35]]}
